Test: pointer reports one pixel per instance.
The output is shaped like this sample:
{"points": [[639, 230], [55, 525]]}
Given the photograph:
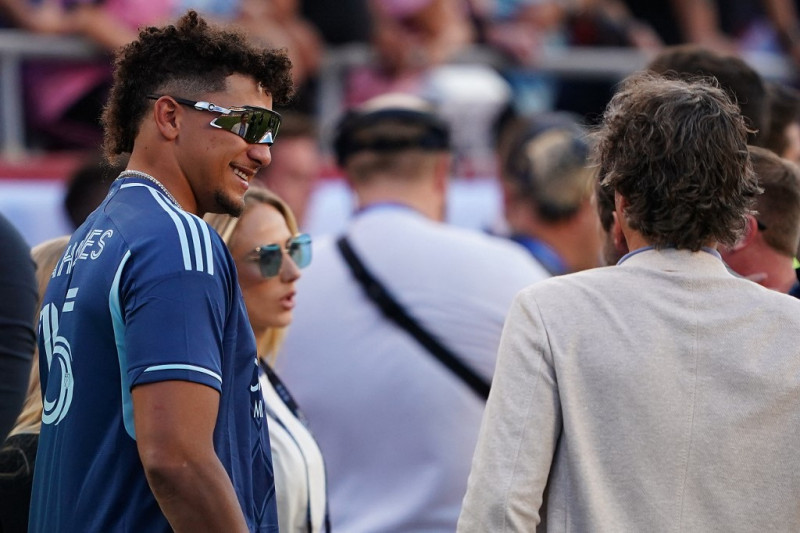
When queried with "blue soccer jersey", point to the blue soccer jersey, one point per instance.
{"points": [[145, 292]]}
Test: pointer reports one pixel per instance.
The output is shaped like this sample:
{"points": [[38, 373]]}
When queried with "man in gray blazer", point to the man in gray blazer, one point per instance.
{"points": [[663, 393]]}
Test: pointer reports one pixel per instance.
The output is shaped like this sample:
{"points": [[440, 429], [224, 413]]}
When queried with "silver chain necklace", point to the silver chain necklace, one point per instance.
{"points": [[148, 177]]}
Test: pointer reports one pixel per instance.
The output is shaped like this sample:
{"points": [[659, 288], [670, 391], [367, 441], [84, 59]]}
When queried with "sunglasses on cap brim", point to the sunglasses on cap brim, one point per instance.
{"points": [[256, 125], [270, 256]]}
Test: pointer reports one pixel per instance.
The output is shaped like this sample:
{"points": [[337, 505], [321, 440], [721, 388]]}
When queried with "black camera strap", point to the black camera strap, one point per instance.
{"points": [[395, 312]]}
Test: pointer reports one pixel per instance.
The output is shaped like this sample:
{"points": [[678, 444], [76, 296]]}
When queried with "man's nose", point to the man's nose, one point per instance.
{"points": [[260, 153]]}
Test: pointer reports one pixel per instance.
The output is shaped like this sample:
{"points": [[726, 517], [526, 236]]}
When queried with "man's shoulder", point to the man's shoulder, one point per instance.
{"points": [[593, 278], [481, 248], [154, 230], [789, 303]]}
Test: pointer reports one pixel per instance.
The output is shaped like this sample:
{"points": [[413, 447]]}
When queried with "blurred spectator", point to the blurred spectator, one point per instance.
{"points": [[723, 26], [365, 383], [742, 83], [524, 29], [43, 17], [784, 16], [17, 311], [610, 23], [280, 24], [682, 21], [18, 453], [409, 38], [64, 98], [547, 190], [88, 186], [766, 250], [296, 163], [784, 127], [599, 23], [470, 98], [341, 22]]}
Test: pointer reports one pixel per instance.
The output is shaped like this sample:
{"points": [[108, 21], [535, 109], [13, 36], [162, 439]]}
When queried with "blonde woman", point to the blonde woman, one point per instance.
{"points": [[269, 253], [18, 453]]}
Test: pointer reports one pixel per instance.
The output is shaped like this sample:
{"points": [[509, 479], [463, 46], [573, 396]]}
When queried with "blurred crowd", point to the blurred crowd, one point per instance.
{"points": [[475, 59], [415, 46]]}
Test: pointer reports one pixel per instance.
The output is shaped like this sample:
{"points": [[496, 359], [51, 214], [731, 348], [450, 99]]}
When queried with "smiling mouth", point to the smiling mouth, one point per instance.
{"points": [[241, 174]]}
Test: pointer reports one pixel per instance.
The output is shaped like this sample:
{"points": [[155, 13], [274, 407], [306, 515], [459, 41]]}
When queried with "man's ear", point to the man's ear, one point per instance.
{"points": [[507, 190], [620, 204], [750, 231], [167, 117], [444, 165], [618, 237]]}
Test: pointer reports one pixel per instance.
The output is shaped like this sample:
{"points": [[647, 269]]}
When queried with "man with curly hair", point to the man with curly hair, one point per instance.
{"points": [[153, 419], [658, 394]]}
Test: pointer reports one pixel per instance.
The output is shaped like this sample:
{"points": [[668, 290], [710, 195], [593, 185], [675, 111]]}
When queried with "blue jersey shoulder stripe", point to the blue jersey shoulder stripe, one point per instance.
{"points": [[198, 252], [193, 222], [194, 258], [185, 250], [209, 250], [195, 368]]}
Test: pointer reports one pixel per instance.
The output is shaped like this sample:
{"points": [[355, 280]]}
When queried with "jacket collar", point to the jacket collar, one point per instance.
{"points": [[672, 259]]}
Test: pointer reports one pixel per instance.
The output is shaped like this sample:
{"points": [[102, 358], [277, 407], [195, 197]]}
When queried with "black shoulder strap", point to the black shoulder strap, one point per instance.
{"points": [[395, 312]]}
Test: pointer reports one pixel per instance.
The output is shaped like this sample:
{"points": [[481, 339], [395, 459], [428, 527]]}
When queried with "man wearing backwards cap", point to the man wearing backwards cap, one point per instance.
{"points": [[397, 427]]}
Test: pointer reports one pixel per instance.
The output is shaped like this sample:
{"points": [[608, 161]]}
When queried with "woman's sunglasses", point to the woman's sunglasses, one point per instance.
{"points": [[270, 256], [256, 125]]}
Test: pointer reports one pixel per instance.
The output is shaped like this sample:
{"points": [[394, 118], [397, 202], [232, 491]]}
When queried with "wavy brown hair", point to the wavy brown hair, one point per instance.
{"points": [[677, 152], [190, 58]]}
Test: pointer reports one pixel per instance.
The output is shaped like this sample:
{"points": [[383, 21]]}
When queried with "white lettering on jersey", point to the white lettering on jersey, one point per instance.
{"points": [[258, 409], [57, 349]]}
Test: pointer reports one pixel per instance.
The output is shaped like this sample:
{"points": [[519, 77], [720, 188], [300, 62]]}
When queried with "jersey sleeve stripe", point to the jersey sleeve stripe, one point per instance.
{"points": [[187, 261], [194, 368], [198, 251], [209, 250], [118, 324]]}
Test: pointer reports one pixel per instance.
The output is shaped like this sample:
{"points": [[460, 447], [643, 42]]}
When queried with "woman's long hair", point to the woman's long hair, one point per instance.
{"points": [[226, 225]]}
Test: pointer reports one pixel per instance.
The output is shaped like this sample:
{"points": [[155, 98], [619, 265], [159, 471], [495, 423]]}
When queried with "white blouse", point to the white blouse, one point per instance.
{"points": [[300, 484]]}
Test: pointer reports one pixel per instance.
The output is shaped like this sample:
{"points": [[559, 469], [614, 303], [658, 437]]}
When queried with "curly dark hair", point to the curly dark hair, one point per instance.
{"points": [[677, 151], [191, 57]]}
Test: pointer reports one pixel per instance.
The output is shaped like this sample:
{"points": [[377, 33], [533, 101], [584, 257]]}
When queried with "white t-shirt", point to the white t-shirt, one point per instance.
{"points": [[396, 427]]}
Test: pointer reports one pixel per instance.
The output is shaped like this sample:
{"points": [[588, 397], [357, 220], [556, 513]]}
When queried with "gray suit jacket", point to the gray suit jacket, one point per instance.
{"points": [[662, 394]]}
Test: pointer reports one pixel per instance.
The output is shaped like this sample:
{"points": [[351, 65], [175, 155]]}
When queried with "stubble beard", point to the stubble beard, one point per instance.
{"points": [[228, 205]]}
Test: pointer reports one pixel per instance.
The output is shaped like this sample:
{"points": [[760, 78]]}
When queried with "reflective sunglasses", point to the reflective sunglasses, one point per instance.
{"points": [[256, 125], [270, 256]]}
